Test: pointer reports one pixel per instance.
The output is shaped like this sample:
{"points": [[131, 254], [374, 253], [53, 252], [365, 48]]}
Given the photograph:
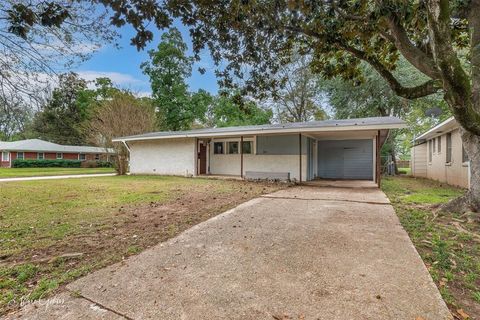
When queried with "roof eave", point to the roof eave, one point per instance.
{"points": [[267, 131]]}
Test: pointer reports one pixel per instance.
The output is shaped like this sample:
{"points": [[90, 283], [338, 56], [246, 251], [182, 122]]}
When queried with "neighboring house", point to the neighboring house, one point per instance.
{"points": [[35, 149], [331, 149], [438, 154]]}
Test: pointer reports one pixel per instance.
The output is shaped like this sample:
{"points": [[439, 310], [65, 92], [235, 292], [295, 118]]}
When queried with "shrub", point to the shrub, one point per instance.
{"points": [[60, 163], [89, 164]]}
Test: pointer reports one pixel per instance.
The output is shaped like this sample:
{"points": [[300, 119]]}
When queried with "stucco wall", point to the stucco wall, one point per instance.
{"points": [[455, 172], [419, 160], [165, 157]]}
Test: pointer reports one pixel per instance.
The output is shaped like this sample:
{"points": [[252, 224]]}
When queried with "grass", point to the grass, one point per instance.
{"points": [[102, 220], [406, 171], [36, 172], [449, 243]]}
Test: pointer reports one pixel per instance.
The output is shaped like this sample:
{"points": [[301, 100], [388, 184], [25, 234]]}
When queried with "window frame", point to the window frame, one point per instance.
{"points": [[22, 157], [465, 159], [61, 156], [7, 158], [42, 157], [97, 156], [439, 144], [448, 155], [84, 156], [434, 141], [222, 143]]}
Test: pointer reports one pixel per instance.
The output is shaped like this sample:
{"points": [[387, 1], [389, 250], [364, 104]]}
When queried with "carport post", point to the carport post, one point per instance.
{"points": [[378, 174], [300, 156], [241, 157]]}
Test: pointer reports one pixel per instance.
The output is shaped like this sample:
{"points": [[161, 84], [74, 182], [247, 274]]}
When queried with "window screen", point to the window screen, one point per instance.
{"points": [[464, 155], [232, 147], [430, 151], [449, 148], [247, 147], [218, 147]]}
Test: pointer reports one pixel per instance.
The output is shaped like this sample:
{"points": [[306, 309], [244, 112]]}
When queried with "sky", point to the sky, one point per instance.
{"points": [[123, 65]]}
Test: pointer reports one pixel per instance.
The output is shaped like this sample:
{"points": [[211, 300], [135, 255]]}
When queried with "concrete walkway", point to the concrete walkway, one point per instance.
{"points": [[87, 175], [302, 253]]}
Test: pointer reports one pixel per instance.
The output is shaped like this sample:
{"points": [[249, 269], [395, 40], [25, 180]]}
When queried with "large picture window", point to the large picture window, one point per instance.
{"points": [[232, 147], [218, 148], [247, 147], [448, 158]]}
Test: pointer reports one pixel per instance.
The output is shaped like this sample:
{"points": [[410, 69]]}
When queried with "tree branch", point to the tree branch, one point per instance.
{"points": [[425, 89], [418, 58]]}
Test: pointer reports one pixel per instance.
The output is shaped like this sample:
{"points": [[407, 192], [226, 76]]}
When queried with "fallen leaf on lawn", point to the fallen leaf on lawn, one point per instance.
{"points": [[463, 314]]}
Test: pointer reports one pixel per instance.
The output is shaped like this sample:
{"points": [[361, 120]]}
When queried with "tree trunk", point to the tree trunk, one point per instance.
{"points": [[470, 201]]}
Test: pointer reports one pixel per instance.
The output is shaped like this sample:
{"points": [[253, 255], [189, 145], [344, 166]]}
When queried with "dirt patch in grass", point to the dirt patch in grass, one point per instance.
{"points": [[449, 243], [45, 266]]}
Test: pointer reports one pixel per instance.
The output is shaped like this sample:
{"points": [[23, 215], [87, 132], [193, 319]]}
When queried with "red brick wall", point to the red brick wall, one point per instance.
{"points": [[51, 156]]}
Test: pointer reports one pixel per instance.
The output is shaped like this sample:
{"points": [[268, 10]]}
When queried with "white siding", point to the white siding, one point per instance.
{"points": [[164, 157]]}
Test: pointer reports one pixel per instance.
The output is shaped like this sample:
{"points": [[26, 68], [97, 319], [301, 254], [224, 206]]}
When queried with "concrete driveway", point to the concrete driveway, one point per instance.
{"points": [[310, 252]]}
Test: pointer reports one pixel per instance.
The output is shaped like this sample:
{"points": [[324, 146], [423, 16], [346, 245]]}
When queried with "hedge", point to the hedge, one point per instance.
{"points": [[19, 163]]}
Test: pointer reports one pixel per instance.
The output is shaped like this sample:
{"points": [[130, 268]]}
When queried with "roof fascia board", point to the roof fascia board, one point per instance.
{"points": [[268, 131], [437, 127]]}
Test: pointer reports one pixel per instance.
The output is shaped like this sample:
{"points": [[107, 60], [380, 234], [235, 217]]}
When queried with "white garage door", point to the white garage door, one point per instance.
{"points": [[345, 159]]}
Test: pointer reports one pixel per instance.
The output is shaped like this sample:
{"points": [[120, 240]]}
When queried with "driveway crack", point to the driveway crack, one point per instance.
{"points": [[79, 295], [326, 199]]}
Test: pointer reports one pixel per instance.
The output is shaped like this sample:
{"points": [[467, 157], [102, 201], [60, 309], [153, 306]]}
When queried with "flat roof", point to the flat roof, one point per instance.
{"points": [[45, 146], [441, 128], [373, 123]]}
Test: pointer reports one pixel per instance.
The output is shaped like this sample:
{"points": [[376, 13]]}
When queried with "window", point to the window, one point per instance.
{"points": [[247, 147], [429, 150], [40, 155], [449, 148], [464, 155], [97, 156], [5, 156], [59, 155], [232, 147], [20, 155], [433, 142], [81, 156], [218, 147], [439, 139]]}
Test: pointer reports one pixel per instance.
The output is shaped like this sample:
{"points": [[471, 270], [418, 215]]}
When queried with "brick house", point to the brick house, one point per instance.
{"points": [[36, 149]]}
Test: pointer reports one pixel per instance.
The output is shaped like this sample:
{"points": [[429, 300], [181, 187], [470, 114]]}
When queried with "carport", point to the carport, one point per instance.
{"points": [[303, 151]]}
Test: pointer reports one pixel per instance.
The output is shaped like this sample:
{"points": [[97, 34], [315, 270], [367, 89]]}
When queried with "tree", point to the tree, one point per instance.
{"points": [[232, 109], [14, 116], [38, 38], [299, 99], [122, 115], [61, 119], [257, 38], [168, 69]]}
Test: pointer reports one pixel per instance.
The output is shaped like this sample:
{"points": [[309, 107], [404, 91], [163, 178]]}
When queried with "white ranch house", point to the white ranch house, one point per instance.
{"points": [[331, 149]]}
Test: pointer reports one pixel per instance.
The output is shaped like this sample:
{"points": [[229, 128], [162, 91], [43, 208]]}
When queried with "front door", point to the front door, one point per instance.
{"points": [[202, 157]]}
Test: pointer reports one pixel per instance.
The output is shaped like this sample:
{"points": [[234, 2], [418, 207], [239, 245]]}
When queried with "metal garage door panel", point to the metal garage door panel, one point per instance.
{"points": [[346, 159]]}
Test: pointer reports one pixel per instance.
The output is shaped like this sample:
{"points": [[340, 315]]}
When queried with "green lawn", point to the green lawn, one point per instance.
{"points": [[449, 243], [98, 220], [35, 172]]}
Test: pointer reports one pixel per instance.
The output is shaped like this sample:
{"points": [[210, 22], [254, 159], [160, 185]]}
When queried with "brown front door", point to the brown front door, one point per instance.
{"points": [[202, 156]]}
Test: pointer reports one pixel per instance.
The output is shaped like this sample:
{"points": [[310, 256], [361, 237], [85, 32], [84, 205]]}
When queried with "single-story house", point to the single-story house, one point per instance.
{"points": [[331, 149], [438, 154], [36, 149]]}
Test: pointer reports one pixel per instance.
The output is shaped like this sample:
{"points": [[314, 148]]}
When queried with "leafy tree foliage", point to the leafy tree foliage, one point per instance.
{"points": [[298, 99], [60, 119], [168, 69], [232, 109]]}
